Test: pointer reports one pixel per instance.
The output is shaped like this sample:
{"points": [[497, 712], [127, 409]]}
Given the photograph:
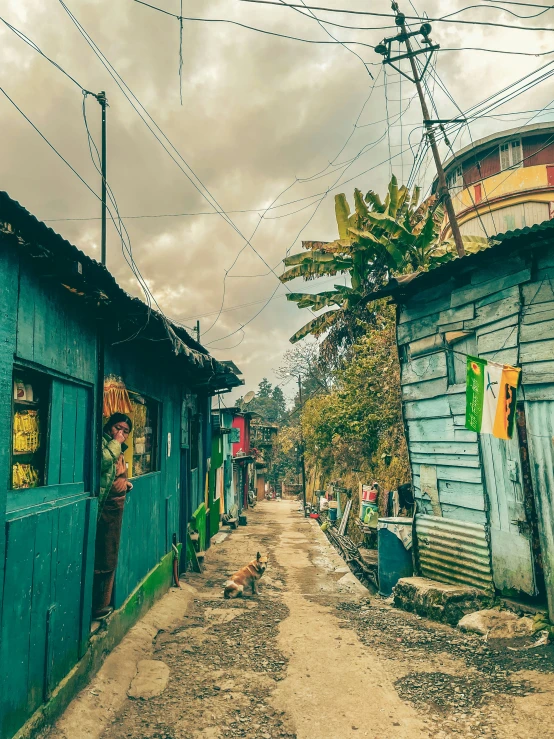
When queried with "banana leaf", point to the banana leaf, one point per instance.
{"points": [[427, 234], [317, 326], [342, 212], [361, 208], [415, 197], [374, 200], [315, 245], [316, 301], [393, 197], [308, 257]]}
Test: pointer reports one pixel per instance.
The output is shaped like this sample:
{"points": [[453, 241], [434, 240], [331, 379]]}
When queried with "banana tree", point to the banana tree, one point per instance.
{"points": [[379, 239]]}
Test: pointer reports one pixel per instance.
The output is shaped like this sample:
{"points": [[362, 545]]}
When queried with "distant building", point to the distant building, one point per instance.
{"points": [[262, 438], [503, 182]]}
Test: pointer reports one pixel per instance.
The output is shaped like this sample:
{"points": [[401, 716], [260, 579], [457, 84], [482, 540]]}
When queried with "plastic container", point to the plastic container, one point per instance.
{"points": [[395, 559], [332, 514], [367, 507]]}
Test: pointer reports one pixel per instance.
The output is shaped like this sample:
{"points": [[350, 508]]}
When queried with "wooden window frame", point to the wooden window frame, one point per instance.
{"points": [[43, 496], [508, 146], [156, 436], [455, 180]]}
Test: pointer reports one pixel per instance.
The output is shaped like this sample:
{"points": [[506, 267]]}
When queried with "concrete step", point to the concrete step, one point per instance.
{"points": [[439, 601]]}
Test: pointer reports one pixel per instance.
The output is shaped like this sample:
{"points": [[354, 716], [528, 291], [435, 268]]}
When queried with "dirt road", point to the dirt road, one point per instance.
{"points": [[311, 657]]}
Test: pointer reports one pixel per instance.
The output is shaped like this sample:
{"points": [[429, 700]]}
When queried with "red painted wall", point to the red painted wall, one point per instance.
{"points": [[543, 145], [242, 423]]}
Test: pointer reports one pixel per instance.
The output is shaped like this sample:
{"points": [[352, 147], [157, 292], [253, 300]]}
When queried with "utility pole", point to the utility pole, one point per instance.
{"points": [[303, 465], [101, 98], [385, 50], [198, 331]]}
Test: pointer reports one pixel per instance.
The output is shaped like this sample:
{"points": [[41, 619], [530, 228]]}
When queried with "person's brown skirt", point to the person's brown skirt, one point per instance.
{"points": [[108, 534]]}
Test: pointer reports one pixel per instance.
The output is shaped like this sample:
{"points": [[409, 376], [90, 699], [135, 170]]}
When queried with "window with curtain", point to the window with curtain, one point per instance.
{"points": [[511, 154]]}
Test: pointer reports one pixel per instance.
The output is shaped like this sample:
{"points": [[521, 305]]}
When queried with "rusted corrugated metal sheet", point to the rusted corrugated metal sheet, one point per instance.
{"points": [[455, 552]]}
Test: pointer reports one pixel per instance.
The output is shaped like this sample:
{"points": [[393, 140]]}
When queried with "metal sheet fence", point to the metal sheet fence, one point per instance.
{"points": [[455, 552]]}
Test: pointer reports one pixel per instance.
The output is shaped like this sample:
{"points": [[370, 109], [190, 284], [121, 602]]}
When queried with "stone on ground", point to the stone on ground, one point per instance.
{"points": [[151, 679], [496, 624]]}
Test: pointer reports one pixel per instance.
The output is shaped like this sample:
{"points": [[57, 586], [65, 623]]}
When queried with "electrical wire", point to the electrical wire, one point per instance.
{"points": [[526, 5], [65, 161], [499, 51], [280, 3], [388, 125], [205, 193], [36, 48], [449, 145], [492, 7], [320, 23], [259, 30]]}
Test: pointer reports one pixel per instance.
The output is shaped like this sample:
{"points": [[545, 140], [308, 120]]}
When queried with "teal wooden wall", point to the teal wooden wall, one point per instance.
{"points": [[151, 514], [47, 533]]}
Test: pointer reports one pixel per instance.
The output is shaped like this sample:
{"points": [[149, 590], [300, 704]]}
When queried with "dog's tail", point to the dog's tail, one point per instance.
{"points": [[232, 590]]}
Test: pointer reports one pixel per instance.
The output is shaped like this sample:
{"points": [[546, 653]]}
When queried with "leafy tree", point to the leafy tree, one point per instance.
{"points": [[269, 402], [360, 419], [279, 402], [264, 389], [377, 240]]}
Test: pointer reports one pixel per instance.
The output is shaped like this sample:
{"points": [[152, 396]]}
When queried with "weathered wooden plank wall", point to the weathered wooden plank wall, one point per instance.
{"points": [[485, 303], [46, 573], [507, 308], [152, 508]]}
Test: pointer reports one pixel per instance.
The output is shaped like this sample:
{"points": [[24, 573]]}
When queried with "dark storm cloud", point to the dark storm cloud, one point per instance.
{"points": [[258, 112]]}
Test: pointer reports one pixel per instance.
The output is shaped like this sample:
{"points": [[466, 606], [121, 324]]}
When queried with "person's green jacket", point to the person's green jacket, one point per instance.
{"points": [[111, 450]]}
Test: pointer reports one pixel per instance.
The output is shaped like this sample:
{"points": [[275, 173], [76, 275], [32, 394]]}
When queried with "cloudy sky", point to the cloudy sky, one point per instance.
{"points": [[265, 122]]}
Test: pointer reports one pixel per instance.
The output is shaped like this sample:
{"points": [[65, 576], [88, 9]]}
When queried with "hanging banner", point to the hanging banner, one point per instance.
{"points": [[491, 391]]}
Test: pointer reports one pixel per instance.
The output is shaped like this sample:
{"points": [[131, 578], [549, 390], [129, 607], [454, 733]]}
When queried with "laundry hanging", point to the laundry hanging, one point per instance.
{"points": [[491, 391]]}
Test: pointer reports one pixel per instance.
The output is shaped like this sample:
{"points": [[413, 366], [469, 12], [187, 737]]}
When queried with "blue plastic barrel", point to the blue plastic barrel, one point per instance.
{"points": [[332, 514], [395, 561]]}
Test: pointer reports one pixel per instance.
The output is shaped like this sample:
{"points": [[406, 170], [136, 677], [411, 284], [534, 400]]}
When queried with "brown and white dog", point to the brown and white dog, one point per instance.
{"points": [[247, 577]]}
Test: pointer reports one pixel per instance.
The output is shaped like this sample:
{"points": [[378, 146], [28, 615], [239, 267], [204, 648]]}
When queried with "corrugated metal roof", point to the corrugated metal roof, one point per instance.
{"points": [[521, 238], [455, 552], [40, 240]]}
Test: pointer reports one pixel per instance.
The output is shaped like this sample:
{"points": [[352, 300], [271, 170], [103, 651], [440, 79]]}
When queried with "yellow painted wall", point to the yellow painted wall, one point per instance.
{"points": [[513, 181]]}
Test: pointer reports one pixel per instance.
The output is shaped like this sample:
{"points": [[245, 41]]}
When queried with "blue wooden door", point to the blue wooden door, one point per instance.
{"points": [[511, 545]]}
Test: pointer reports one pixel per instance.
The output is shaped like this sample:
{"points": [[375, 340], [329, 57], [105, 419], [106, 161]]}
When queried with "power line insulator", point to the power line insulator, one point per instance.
{"points": [[381, 49], [426, 29], [400, 19]]}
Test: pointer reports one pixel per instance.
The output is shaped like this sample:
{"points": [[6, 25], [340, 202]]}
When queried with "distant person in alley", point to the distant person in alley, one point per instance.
{"points": [[114, 487]]}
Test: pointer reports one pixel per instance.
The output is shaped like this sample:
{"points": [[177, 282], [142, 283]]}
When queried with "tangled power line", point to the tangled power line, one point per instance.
{"points": [[312, 202]]}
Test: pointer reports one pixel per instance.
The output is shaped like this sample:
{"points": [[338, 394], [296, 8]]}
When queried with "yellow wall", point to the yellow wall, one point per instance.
{"points": [[510, 182], [508, 188]]}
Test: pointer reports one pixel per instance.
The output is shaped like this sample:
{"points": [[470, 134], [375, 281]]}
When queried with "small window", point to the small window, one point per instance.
{"points": [[478, 193], [510, 154], [460, 347], [143, 442], [455, 180], [31, 398]]}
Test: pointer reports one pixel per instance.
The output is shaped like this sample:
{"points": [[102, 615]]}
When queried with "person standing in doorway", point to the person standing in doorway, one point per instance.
{"points": [[114, 487]]}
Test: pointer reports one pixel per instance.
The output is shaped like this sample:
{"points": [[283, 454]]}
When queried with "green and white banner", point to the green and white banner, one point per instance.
{"points": [[491, 391]]}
